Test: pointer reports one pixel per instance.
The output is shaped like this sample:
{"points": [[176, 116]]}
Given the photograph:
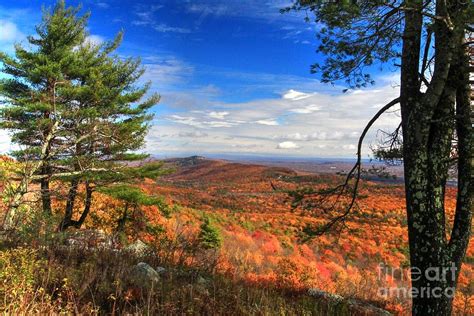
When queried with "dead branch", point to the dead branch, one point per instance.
{"points": [[354, 173]]}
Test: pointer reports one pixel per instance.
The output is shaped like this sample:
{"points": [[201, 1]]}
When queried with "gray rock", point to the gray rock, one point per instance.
{"points": [[357, 307], [138, 247], [202, 281], [89, 239], [325, 295], [160, 270], [143, 275]]}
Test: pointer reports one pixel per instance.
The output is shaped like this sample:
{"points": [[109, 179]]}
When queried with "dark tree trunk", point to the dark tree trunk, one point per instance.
{"points": [[46, 197], [428, 121], [464, 112], [87, 207], [71, 198], [68, 220], [46, 191]]}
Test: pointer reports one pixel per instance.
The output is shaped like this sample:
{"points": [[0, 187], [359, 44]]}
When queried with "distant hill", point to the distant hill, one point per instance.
{"points": [[198, 168], [187, 161]]}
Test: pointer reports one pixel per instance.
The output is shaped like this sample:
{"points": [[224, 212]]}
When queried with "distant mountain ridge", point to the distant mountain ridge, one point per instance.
{"points": [[198, 168], [186, 161]]}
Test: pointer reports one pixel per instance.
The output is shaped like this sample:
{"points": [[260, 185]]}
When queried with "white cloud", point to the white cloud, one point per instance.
{"points": [[9, 35], [186, 120], [329, 126], [218, 115], [205, 9], [145, 14], [294, 136], [103, 5], [349, 147], [195, 122], [333, 135], [287, 145], [166, 71], [146, 17], [307, 109], [245, 146], [9, 32], [269, 122], [95, 40], [216, 124], [267, 10], [291, 25], [5, 144], [295, 95], [195, 134]]}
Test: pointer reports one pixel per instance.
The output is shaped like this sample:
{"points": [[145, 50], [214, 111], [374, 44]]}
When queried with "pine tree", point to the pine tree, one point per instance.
{"points": [[105, 124], [32, 92], [75, 109], [209, 236]]}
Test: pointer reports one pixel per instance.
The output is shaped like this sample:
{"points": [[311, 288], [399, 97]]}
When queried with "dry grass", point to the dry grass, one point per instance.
{"points": [[57, 279]]}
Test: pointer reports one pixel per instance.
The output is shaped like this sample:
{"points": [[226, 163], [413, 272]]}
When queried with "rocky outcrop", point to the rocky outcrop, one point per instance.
{"points": [[143, 276], [89, 239], [138, 248], [337, 303]]}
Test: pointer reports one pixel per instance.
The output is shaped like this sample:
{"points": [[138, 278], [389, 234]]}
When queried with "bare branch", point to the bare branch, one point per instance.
{"points": [[354, 173]]}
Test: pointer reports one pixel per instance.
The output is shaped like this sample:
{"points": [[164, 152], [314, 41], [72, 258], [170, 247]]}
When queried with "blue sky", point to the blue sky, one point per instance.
{"points": [[233, 75]]}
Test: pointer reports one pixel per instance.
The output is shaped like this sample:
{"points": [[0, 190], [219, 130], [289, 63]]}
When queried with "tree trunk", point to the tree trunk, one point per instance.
{"points": [[426, 164], [87, 206], [45, 192], [427, 121], [71, 198], [464, 206]]}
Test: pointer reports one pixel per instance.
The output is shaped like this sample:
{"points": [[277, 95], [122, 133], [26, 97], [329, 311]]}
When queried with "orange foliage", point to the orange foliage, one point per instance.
{"points": [[260, 231]]}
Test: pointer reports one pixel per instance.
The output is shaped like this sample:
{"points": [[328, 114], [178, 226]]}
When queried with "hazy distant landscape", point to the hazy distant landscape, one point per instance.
{"points": [[323, 165], [309, 165]]}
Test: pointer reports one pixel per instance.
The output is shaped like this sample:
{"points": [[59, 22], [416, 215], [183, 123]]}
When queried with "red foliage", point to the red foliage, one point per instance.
{"points": [[260, 231]]}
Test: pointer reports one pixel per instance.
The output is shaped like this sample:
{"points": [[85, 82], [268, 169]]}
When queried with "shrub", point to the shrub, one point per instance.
{"points": [[17, 276]]}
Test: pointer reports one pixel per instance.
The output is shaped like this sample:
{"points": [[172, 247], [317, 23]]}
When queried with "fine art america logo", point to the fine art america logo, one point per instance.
{"points": [[434, 276]]}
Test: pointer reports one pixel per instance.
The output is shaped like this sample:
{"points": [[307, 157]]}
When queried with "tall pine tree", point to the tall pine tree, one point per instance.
{"points": [[105, 125], [75, 109], [32, 93]]}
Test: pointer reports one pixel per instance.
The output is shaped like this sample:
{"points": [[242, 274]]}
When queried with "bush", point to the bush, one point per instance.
{"points": [[17, 276], [21, 285]]}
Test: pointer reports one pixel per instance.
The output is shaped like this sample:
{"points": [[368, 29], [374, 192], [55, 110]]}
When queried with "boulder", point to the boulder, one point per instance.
{"points": [[88, 239], [325, 295], [201, 281], [160, 270], [143, 275], [138, 247], [356, 307]]}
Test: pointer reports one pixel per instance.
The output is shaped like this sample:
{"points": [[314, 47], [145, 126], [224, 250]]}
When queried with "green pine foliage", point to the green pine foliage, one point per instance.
{"points": [[133, 198], [132, 195], [209, 235], [32, 97], [76, 108]]}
